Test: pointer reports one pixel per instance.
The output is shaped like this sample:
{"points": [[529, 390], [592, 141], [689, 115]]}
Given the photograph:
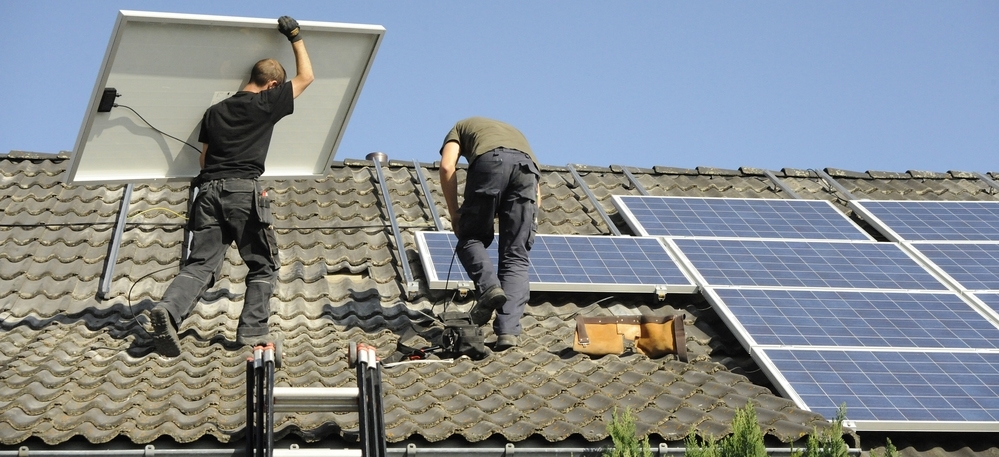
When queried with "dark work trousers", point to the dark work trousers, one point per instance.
{"points": [[503, 183], [228, 210]]}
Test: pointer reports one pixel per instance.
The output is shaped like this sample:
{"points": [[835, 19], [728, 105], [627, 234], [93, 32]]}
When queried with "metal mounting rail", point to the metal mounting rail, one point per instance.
{"points": [[634, 181], [779, 183], [988, 181], [836, 185], [426, 194], [412, 287], [593, 199], [112, 258]]}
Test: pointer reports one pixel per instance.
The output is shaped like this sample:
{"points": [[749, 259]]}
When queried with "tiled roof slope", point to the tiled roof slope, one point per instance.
{"points": [[73, 366]]}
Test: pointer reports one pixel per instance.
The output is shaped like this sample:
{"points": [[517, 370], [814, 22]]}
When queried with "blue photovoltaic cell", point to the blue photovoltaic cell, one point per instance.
{"points": [[894, 385], [865, 319], [806, 264], [563, 259], [737, 217], [974, 265], [936, 220]]}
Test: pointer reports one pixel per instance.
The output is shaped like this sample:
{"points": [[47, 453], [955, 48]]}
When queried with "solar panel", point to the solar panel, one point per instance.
{"points": [[170, 67], [893, 390], [569, 263], [736, 217], [805, 264], [860, 319], [974, 265], [932, 220]]}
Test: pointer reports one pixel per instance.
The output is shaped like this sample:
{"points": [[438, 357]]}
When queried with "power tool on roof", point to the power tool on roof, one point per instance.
{"points": [[459, 337]]}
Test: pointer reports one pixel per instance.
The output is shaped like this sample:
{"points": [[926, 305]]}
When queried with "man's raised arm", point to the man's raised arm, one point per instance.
{"points": [[303, 66]]}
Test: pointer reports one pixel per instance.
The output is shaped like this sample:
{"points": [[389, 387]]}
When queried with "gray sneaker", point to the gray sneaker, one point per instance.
{"points": [[164, 335], [504, 342], [488, 302]]}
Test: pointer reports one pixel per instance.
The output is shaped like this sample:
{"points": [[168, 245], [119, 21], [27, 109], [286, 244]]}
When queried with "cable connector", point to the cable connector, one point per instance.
{"points": [[107, 100]]}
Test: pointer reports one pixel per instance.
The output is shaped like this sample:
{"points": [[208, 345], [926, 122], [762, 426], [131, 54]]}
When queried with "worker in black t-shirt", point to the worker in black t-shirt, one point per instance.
{"points": [[230, 205]]}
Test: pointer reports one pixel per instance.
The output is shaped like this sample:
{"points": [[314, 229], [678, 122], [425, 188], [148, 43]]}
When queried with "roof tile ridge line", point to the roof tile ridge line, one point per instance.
{"points": [[593, 199], [835, 184]]}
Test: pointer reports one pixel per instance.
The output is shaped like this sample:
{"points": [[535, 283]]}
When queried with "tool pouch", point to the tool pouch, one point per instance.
{"points": [[652, 336], [461, 336]]}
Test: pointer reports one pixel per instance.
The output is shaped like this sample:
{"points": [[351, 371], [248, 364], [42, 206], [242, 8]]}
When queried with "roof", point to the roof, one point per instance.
{"points": [[79, 367]]}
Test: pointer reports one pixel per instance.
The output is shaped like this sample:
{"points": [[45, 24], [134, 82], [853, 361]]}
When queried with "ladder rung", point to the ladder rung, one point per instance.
{"points": [[315, 399]]}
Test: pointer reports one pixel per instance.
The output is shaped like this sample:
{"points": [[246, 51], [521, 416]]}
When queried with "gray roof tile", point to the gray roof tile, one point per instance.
{"points": [[75, 366]]}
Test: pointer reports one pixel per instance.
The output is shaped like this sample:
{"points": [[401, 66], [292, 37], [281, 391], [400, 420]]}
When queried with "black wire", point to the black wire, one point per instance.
{"points": [[156, 129], [128, 298], [447, 279]]}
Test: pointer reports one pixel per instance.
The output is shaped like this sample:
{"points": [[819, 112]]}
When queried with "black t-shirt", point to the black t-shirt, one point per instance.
{"points": [[238, 132]]}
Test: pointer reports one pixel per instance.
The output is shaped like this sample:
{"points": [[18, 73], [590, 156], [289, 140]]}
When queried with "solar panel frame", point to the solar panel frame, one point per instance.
{"points": [[570, 263], [758, 218], [851, 318], [824, 264], [990, 301], [921, 220], [973, 266], [891, 390]]}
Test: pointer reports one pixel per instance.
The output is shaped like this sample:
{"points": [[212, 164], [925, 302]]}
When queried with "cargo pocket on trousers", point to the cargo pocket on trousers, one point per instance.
{"points": [[262, 206]]}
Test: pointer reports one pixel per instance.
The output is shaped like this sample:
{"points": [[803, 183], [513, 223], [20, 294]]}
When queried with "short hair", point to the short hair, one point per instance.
{"points": [[267, 70]]}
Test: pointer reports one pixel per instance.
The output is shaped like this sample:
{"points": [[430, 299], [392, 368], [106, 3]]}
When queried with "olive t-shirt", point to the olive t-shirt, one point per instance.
{"points": [[479, 135]]}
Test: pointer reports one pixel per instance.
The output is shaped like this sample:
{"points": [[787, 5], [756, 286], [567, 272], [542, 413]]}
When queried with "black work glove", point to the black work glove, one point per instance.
{"points": [[289, 28]]}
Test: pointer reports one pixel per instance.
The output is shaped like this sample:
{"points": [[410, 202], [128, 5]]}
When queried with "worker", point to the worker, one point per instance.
{"points": [[502, 181], [231, 206]]}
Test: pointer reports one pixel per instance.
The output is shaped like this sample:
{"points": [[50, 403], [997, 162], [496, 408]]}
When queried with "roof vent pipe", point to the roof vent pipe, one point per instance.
{"points": [[379, 156]]}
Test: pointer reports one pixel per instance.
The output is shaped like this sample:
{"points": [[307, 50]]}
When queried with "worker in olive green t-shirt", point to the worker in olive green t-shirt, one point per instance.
{"points": [[502, 181]]}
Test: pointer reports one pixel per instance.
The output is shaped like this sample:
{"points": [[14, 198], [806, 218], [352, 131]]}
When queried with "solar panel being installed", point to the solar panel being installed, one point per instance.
{"points": [[570, 263], [736, 217], [171, 67], [932, 220], [863, 319], [805, 264], [974, 265], [893, 390]]}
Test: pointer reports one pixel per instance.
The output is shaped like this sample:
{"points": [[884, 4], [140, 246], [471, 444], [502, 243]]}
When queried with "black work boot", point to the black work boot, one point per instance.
{"points": [[488, 302], [164, 334]]}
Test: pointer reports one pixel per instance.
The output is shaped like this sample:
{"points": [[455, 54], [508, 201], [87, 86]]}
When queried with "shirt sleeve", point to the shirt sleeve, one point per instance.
{"points": [[203, 134], [451, 136]]}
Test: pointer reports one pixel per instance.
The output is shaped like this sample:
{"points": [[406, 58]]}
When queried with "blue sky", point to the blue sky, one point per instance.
{"points": [[857, 85]]}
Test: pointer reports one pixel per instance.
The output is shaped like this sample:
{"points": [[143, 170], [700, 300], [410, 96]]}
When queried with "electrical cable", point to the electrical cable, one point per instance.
{"points": [[140, 213], [156, 129], [447, 278], [128, 299], [128, 296]]}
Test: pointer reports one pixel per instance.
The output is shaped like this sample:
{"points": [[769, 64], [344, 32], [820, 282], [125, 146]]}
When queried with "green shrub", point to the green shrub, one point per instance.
{"points": [[890, 450], [746, 439], [698, 446], [626, 442], [828, 442]]}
